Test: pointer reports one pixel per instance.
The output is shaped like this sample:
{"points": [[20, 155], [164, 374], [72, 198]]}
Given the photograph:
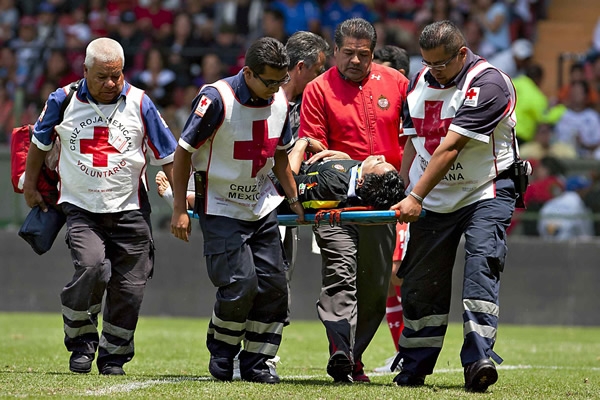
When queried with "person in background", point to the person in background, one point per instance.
{"points": [[546, 182], [579, 124], [108, 129], [211, 69], [154, 20], [336, 11], [532, 103], [394, 57], [180, 48], [594, 79], [354, 107], [57, 69], [577, 74], [458, 160], [544, 144], [135, 43], [156, 79], [494, 18], [240, 124], [273, 25], [246, 15], [308, 53], [397, 58], [566, 216], [514, 60], [299, 15]]}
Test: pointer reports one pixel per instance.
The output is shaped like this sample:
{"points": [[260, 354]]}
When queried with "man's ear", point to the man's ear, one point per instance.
{"points": [[360, 182], [247, 72]]}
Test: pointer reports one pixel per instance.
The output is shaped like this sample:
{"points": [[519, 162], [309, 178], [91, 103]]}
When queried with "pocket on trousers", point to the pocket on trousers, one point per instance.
{"points": [[221, 258], [501, 250]]}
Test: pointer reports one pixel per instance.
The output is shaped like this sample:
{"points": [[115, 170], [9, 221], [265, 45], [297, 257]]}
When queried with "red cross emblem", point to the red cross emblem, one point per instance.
{"points": [[258, 149], [432, 127], [98, 147], [204, 102], [470, 94]]}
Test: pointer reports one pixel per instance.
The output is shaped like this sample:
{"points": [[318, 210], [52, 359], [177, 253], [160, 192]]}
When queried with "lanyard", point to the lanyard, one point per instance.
{"points": [[117, 141]]}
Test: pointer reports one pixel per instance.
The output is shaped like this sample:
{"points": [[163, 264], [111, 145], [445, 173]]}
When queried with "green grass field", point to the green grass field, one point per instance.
{"points": [[171, 363]]}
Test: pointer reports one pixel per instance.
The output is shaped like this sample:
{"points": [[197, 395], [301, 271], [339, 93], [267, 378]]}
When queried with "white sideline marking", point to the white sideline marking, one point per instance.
{"points": [[129, 387]]}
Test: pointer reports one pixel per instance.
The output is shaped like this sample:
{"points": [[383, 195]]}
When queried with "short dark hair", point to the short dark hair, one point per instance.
{"points": [[266, 51], [442, 33], [305, 46], [356, 28], [396, 56], [381, 191]]}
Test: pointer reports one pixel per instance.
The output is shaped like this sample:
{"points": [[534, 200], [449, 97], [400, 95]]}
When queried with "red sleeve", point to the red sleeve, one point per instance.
{"points": [[313, 117]]}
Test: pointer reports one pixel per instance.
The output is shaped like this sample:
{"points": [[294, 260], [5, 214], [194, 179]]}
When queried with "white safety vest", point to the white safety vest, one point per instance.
{"points": [[470, 178], [239, 155]]}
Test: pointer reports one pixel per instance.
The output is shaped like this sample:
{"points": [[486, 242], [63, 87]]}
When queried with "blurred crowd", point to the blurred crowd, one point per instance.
{"points": [[172, 47]]}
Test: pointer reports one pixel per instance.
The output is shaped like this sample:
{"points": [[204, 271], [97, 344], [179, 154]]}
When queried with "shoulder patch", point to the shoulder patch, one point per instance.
{"points": [[339, 167], [472, 97], [202, 106]]}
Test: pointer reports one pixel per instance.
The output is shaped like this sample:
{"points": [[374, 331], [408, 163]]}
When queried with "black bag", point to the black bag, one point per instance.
{"points": [[520, 172], [40, 229]]}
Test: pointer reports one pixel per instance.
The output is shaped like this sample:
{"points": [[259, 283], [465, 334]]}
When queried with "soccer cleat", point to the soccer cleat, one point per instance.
{"points": [[112, 369], [387, 368], [405, 378], [340, 367], [479, 375], [80, 363]]}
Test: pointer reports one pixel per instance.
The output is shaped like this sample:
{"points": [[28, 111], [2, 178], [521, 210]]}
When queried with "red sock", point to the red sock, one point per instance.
{"points": [[393, 315]]}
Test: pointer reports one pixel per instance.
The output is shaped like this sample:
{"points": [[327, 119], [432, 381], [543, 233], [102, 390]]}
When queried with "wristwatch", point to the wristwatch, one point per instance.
{"points": [[292, 200]]}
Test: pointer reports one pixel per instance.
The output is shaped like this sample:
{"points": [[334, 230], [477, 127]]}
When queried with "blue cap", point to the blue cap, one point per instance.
{"points": [[577, 182]]}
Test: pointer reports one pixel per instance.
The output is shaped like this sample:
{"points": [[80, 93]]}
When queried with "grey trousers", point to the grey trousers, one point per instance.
{"points": [[113, 254], [357, 263]]}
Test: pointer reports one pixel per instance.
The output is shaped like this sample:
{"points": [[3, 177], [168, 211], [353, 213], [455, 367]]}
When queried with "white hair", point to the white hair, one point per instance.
{"points": [[103, 50]]}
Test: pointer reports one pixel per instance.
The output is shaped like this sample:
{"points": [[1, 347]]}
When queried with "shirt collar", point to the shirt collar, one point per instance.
{"points": [[355, 174]]}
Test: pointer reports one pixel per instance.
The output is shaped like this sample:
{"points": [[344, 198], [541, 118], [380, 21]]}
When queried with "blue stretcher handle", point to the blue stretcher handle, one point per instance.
{"points": [[347, 217]]}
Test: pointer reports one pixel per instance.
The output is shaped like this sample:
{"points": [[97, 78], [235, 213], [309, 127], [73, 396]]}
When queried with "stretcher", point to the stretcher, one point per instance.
{"points": [[334, 217]]}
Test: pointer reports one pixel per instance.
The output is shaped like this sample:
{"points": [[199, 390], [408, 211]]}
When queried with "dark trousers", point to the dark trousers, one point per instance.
{"points": [[113, 254], [245, 262], [357, 264], [427, 272]]}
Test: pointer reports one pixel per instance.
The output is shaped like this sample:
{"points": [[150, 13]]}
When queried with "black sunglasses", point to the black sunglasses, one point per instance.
{"points": [[272, 83]]}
